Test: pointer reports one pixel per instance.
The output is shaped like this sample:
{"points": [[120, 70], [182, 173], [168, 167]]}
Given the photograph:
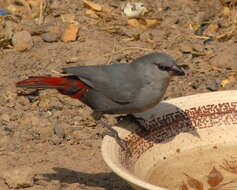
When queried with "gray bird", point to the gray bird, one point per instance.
{"points": [[116, 88]]}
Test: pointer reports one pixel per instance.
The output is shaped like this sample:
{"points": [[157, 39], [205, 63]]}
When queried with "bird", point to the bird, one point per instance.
{"points": [[117, 88]]}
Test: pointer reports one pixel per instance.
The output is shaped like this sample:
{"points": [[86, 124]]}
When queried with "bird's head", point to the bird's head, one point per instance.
{"points": [[166, 63]]}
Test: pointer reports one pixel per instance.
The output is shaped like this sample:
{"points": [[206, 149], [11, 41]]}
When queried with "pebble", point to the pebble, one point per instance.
{"points": [[214, 85], [52, 35], [22, 41], [133, 10], [20, 177], [186, 48], [59, 131], [5, 117]]}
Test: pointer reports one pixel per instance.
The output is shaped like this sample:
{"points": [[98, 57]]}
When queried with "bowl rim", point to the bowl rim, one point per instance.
{"points": [[120, 172], [106, 145]]}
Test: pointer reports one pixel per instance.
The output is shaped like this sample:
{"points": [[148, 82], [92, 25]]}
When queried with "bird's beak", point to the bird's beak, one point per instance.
{"points": [[177, 70]]}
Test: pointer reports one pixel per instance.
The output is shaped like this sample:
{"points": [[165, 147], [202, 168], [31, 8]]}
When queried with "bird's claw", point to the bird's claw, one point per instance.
{"points": [[113, 133], [122, 143]]}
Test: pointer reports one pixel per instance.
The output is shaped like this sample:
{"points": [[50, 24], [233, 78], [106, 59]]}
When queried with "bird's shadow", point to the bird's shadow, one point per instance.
{"points": [[167, 126], [108, 181]]}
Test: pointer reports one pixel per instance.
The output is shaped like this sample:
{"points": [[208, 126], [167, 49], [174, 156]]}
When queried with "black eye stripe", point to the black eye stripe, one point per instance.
{"points": [[164, 68]]}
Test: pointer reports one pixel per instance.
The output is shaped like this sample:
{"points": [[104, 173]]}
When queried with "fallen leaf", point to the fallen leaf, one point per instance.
{"points": [[215, 177], [132, 38], [227, 81], [195, 184], [70, 33], [211, 30], [225, 36], [91, 13], [226, 11], [152, 22], [93, 5], [143, 24]]}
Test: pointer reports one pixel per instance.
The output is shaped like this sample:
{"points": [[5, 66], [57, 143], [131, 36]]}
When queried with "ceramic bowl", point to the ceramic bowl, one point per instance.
{"points": [[191, 144]]}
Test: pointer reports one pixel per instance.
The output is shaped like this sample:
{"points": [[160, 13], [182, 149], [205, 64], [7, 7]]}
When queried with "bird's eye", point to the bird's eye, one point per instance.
{"points": [[164, 68]]}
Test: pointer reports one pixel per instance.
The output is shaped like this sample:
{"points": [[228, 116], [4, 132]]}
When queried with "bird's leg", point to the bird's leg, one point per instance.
{"points": [[112, 132]]}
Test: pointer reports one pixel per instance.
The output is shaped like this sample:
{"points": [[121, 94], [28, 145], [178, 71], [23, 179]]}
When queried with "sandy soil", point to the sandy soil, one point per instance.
{"points": [[55, 135]]}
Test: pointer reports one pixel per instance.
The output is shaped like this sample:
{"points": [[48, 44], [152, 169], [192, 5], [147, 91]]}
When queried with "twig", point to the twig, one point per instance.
{"points": [[111, 57], [42, 8], [57, 73]]}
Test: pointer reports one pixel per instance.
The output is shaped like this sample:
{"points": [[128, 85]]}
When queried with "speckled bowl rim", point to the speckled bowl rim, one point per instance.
{"points": [[108, 142]]}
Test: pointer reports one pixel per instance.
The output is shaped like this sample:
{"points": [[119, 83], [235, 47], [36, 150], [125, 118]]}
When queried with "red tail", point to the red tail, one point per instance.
{"points": [[65, 85]]}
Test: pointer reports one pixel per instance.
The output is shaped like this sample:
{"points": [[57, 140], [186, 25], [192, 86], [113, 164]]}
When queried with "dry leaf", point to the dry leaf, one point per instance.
{"points": [[97, 7], [151, 22], [132, 38], [225, 36], [226, 2], [91, 13], [183, 187], [195, 184], [93, 5], [70, 34], [227, 81], [226, 11], [143, 24], [214, 177], [211, 30], [194, 26]]}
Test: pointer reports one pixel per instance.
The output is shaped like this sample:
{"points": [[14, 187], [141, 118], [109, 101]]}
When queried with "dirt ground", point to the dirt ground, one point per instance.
{"points": [[54, 137]]}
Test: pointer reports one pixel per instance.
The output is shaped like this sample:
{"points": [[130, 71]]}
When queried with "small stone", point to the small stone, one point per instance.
{"points": [[186, 48], [50, 37], [59, 131], [22, 41], [19, 177], [214, 85], [134, 10], [70, 33], [5, 117]]}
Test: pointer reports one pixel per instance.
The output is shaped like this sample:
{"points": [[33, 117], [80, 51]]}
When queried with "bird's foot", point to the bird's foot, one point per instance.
{"points": [[122, 143], [113, 133]]}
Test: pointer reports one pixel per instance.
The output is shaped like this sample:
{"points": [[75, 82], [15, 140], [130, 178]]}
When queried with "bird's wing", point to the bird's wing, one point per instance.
{"points": [[118, 82]]}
